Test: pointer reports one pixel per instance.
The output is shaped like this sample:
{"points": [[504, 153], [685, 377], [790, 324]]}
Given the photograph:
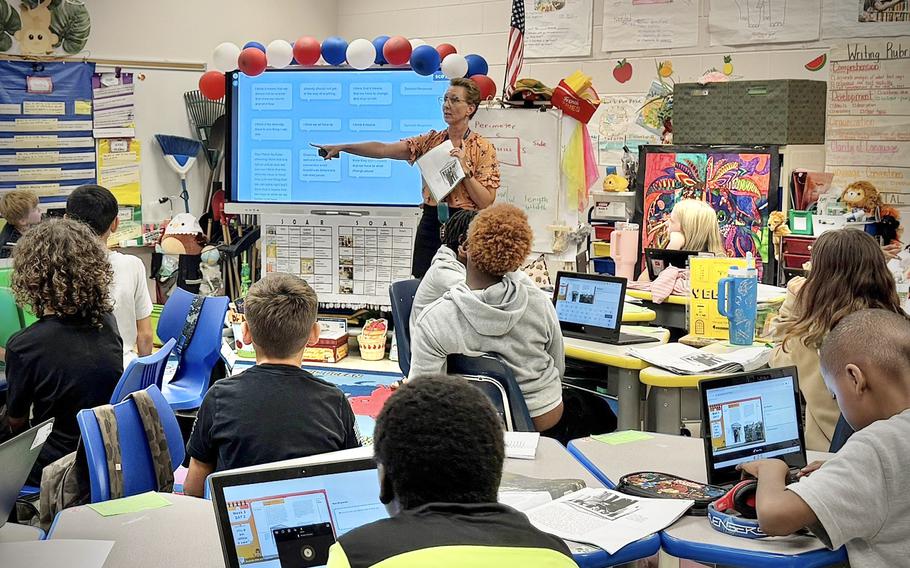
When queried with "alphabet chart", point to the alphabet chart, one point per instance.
{"points": [[349, 260]]}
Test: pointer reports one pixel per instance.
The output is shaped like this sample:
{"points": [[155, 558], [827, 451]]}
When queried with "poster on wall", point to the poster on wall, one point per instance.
{"points": [[735, 181], [617, 123], [630, 25], [865, 18], [558, 28], [867, 134], [741, 22]]}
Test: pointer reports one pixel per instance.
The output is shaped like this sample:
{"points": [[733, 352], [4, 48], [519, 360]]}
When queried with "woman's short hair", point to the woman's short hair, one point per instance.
{"points": [[472, 93]]}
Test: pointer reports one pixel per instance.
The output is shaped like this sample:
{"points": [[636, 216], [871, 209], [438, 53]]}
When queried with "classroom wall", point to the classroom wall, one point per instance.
{"points": [[187, 31], [483, 27]]}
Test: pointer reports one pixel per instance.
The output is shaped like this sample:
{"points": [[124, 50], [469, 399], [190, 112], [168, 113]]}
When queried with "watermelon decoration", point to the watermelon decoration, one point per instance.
{"points": [[817, 63]]}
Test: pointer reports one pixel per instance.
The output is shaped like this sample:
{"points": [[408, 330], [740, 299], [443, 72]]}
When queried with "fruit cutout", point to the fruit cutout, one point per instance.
{"points": [[623, 71], [728, 65], [665, 68], [818, 63]]}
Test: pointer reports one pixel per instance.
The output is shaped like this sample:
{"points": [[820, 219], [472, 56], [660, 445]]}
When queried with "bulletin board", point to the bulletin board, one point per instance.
{"points": [[46, 142]]}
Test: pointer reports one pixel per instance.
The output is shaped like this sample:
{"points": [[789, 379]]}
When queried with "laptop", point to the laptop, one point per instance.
{"points": [[751, 416], [589, 306], [17, 456], [657, 259], [288, 517]]}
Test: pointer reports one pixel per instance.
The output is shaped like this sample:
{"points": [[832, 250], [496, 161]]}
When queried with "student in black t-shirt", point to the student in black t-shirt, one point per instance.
{"points": [[275, 410], [72, 357]]}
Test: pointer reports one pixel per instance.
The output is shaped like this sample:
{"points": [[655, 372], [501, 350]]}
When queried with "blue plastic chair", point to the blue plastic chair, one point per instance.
{"points": [[491, 375], [195, 363], [143, 372], [402, 296], [136, 459]]}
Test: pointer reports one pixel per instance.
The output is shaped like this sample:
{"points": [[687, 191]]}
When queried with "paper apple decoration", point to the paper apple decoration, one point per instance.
{"points": [[623, 71]]}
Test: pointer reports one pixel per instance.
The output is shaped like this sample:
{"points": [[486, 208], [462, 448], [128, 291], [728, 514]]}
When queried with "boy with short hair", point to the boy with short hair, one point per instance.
{"points": [[859, 497], [275, 410], [20, 209], [97, 207], [440, 464]]}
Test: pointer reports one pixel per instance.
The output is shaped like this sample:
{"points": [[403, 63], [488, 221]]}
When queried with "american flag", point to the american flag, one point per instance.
{"points": [[516, 47]]}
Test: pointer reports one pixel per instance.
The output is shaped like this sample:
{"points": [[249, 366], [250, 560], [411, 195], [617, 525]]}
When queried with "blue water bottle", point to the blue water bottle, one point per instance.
{"points": [[737, 300]]}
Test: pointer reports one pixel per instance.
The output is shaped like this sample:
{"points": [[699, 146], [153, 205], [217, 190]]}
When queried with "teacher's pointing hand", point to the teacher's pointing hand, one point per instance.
{"points": [[328, 151]]}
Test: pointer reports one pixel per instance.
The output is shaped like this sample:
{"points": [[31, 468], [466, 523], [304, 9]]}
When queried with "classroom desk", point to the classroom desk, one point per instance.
{"points": [[693, 538], [624, 367], [184, 534], [352, 361], [634, 313], [670, 313], [12, 532], [670, 395]]}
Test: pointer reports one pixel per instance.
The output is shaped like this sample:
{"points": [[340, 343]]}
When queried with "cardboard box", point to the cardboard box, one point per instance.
{"points": [[786, 111], [333, 342]]}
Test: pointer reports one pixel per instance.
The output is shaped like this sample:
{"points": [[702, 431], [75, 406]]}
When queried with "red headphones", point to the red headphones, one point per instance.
{"points": [[734, 513]]}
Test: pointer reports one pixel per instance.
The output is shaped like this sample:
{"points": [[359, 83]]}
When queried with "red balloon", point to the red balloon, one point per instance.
{"points": [[486, 85], [397, 50], [211, 85], [252, 61], [445, 49], [307, 50]]}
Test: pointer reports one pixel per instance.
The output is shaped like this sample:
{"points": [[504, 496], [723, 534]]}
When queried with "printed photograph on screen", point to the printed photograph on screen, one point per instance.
{"points": [[608, 506], [884, 11], [737, 423], [586, 298]]}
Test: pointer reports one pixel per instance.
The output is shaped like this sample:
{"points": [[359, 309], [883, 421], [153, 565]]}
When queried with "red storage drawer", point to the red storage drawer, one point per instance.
{"points": [[795, 260], [602, 232], [801, 246]]}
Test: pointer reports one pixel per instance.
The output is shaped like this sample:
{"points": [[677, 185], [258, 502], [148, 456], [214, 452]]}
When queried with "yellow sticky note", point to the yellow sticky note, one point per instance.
{"points": [[624, 437], [141, 502], [83, 107]]}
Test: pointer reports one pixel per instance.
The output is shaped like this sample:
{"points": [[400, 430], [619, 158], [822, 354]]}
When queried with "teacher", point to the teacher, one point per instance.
{"points": [[478, 159]]}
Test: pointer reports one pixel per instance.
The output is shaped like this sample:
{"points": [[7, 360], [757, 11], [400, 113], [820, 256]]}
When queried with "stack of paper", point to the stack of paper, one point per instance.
{"points": [[440, 170], [522, 445], [605, 518], [684, 360]]}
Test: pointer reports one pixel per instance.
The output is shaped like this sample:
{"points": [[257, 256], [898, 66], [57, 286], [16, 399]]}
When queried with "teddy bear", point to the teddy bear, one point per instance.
{"points": [[862, 195], [777, 224]]}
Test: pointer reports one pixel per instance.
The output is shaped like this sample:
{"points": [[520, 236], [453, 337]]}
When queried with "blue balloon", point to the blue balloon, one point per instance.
{"points": [[334, 50], [255, 44], [477, 65], [425, 60], [378, 43]]}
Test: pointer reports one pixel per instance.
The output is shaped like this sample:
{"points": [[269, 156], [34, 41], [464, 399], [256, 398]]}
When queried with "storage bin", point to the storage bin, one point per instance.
{"points": [[603, 232], [604, 266], [601, 248]]}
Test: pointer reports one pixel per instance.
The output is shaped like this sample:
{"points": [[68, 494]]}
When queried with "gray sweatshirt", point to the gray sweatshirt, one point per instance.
{"points": [[444, 274], [512, 318]]}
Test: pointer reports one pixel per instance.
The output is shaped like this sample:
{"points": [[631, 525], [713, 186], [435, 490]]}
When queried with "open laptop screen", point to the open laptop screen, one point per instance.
{"points": [[585, 301], [752, 420], [288, 517]]}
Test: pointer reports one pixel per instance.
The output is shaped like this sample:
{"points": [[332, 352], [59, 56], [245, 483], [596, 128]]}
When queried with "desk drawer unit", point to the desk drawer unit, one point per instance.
{"points": [[797, 251]]}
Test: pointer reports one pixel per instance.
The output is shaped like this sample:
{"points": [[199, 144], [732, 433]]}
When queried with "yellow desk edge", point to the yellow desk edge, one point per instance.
{"points": [[648, 297], [620, 361]]}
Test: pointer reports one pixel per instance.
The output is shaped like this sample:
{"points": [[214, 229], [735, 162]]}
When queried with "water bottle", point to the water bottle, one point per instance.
{"points": [[624, 249], [737, 300]]}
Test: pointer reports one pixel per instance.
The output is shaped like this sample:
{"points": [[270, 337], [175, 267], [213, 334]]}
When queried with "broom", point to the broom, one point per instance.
{"points": [[180, 154]]}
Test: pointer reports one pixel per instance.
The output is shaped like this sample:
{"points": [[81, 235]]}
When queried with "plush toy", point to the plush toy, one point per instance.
{"points": [[777, 224], [615, 182], [183, 235], [210, 266], [862, 195]]}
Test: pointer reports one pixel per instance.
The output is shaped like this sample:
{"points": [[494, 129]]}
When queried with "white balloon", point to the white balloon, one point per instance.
{"points": [[454, 66], [279, 54], [225, 56], [416, 42], [361, 53]]}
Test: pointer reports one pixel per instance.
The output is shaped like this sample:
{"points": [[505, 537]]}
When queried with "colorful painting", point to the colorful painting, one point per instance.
{"points": [[737, 184]]}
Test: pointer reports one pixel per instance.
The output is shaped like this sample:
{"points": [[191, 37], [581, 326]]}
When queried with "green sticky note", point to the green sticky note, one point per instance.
{"points": [[625, 437], [141, 502]]}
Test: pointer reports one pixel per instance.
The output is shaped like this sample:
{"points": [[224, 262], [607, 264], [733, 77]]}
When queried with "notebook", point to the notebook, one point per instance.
{"points": [[589, 306], [751, 416], [288, 517]]}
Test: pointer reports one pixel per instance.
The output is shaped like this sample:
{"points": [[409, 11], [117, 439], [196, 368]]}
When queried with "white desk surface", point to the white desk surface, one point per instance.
{"points": [[184, 534], [685, 457], [11, 532]]}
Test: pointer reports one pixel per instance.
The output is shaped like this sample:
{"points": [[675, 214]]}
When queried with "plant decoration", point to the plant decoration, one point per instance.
{"points": [[42, 26], [657, 110]]}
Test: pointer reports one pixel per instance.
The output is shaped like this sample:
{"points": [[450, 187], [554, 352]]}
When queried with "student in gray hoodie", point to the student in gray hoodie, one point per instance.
{"points": [[448, 266], [497, 310]]}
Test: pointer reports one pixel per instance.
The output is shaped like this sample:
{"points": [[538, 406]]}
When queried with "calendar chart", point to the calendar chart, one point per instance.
{"points": [[350, 261]]}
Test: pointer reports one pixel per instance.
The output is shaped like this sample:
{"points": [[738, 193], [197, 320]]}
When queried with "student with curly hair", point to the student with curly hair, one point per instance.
{"points": [[497, 310], [439, 468], [72, 357]]}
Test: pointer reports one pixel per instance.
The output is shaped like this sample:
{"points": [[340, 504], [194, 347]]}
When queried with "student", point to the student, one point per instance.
{"points": [[20, 209], [448, 266], [693, 226], [859, 497], [275, 410], [97, 207], [497, 310], [849, 273], [438, 445], [72, 357]]}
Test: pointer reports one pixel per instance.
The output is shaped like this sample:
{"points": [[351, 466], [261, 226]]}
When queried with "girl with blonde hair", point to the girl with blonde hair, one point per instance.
{"points": [[693, 226]]}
